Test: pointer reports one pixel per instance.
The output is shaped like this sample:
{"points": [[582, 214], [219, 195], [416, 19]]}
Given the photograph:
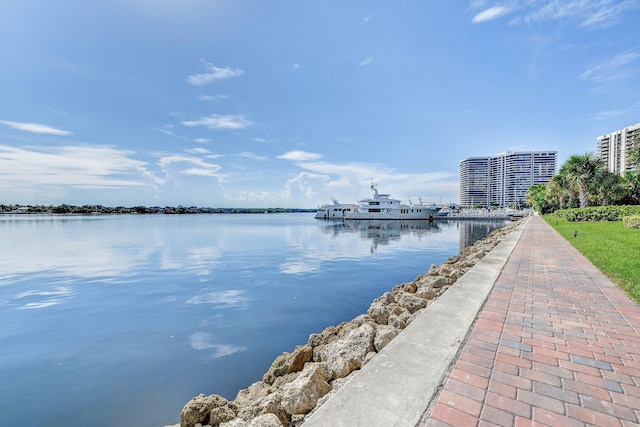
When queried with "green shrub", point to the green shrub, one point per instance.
{"points": [[631, 221], [599, 213]]}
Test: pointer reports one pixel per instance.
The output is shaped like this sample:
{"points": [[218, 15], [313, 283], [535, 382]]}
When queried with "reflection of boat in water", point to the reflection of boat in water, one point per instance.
{"points": [[383, 207], [382, 232], [334, 210], [390, 225]]}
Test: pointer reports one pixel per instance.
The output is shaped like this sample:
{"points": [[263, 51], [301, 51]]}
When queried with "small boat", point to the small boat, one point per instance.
{"points": [[382, 206], [334, 210]]}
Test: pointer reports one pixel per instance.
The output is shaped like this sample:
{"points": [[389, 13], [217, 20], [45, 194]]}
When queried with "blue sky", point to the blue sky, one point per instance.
{"points": [[286, 103]]}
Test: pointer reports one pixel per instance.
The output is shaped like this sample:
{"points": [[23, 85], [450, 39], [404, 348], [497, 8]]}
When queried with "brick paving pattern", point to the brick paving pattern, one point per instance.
{"points": [[557, 344]]}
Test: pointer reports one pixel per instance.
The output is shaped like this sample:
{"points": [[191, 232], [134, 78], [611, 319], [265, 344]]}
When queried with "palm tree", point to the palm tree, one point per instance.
{"points": [[559, 192], [606, 187], [536, 196], [631, 183], [581, 170]]}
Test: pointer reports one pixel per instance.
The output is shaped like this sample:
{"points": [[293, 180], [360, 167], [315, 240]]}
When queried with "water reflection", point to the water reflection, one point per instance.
{"points": [[224, 299], [44, 298], [139, 304], [71, 246], [473, 230], [116, 249], [201, 341], [383, 232]]}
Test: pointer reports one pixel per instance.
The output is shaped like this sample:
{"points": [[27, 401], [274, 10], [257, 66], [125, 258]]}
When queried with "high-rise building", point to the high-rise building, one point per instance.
{"points": [[614, 147], [503, 180]]}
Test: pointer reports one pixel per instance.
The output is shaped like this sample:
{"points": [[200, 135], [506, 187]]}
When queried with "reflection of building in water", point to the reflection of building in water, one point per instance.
{"points": [[472, 231], [384, 232]]}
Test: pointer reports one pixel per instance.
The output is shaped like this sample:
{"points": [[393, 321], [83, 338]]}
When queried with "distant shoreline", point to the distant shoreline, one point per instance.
{"points": [[65, 209]]}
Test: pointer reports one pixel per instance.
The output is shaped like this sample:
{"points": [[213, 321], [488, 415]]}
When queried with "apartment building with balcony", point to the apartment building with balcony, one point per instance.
{"points": [[614, 147], [503, 180]]}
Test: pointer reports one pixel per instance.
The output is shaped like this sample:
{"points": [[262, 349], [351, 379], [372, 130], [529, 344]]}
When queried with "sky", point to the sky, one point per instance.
{"points": [[288, 103]]}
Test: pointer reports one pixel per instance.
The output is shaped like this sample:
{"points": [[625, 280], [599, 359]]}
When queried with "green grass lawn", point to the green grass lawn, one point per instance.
{"points": [[615, 250]]}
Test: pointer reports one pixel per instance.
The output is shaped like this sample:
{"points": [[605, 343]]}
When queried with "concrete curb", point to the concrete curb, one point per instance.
{"points": [[396, 387]]}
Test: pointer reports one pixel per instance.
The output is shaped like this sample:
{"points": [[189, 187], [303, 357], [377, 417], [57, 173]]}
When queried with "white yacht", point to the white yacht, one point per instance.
{"points": [[382, 206], [335, 210]]}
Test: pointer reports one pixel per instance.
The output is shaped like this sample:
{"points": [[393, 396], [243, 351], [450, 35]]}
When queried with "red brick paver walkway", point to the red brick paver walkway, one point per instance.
{"points": [[557, 344]]}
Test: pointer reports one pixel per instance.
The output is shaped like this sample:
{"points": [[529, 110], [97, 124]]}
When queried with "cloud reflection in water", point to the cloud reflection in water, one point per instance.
{"points": [[225, 299], [203, 341], [52, 297]]}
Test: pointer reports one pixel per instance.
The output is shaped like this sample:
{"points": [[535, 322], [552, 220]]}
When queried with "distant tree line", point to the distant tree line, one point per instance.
{"points": [[584, 180], [168, 210]]}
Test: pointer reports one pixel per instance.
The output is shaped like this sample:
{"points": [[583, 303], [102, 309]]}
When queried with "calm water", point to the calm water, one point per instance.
{"points": [[120, 320]]}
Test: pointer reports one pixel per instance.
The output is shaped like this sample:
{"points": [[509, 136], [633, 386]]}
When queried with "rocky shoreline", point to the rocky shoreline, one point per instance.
{"points": [[299, 382]]}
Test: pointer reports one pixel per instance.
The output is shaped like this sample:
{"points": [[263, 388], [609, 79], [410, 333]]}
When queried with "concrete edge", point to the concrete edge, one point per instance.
{"points": [[396, 387]]}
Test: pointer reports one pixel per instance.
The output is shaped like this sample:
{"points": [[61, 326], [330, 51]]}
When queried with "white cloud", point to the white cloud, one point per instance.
{"points": [[605, 115], [587, 13], [200, 172], [215, 73], [202, 140], [365, 20], [249, 155], [36, 128], [200, 167], [300, 156], [607, 16], [212, 98], [166, 129], [263, 197], [198, 150], [292, 66], [349, 181], [218, 121], [265, 140], [366, 61], [302, 185], [77, 166], [489, 14], [317, 181], [613, 69]]}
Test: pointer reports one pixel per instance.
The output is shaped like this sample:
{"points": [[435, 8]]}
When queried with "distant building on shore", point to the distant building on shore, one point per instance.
{"points": [[614, 147], [503, 180]]}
